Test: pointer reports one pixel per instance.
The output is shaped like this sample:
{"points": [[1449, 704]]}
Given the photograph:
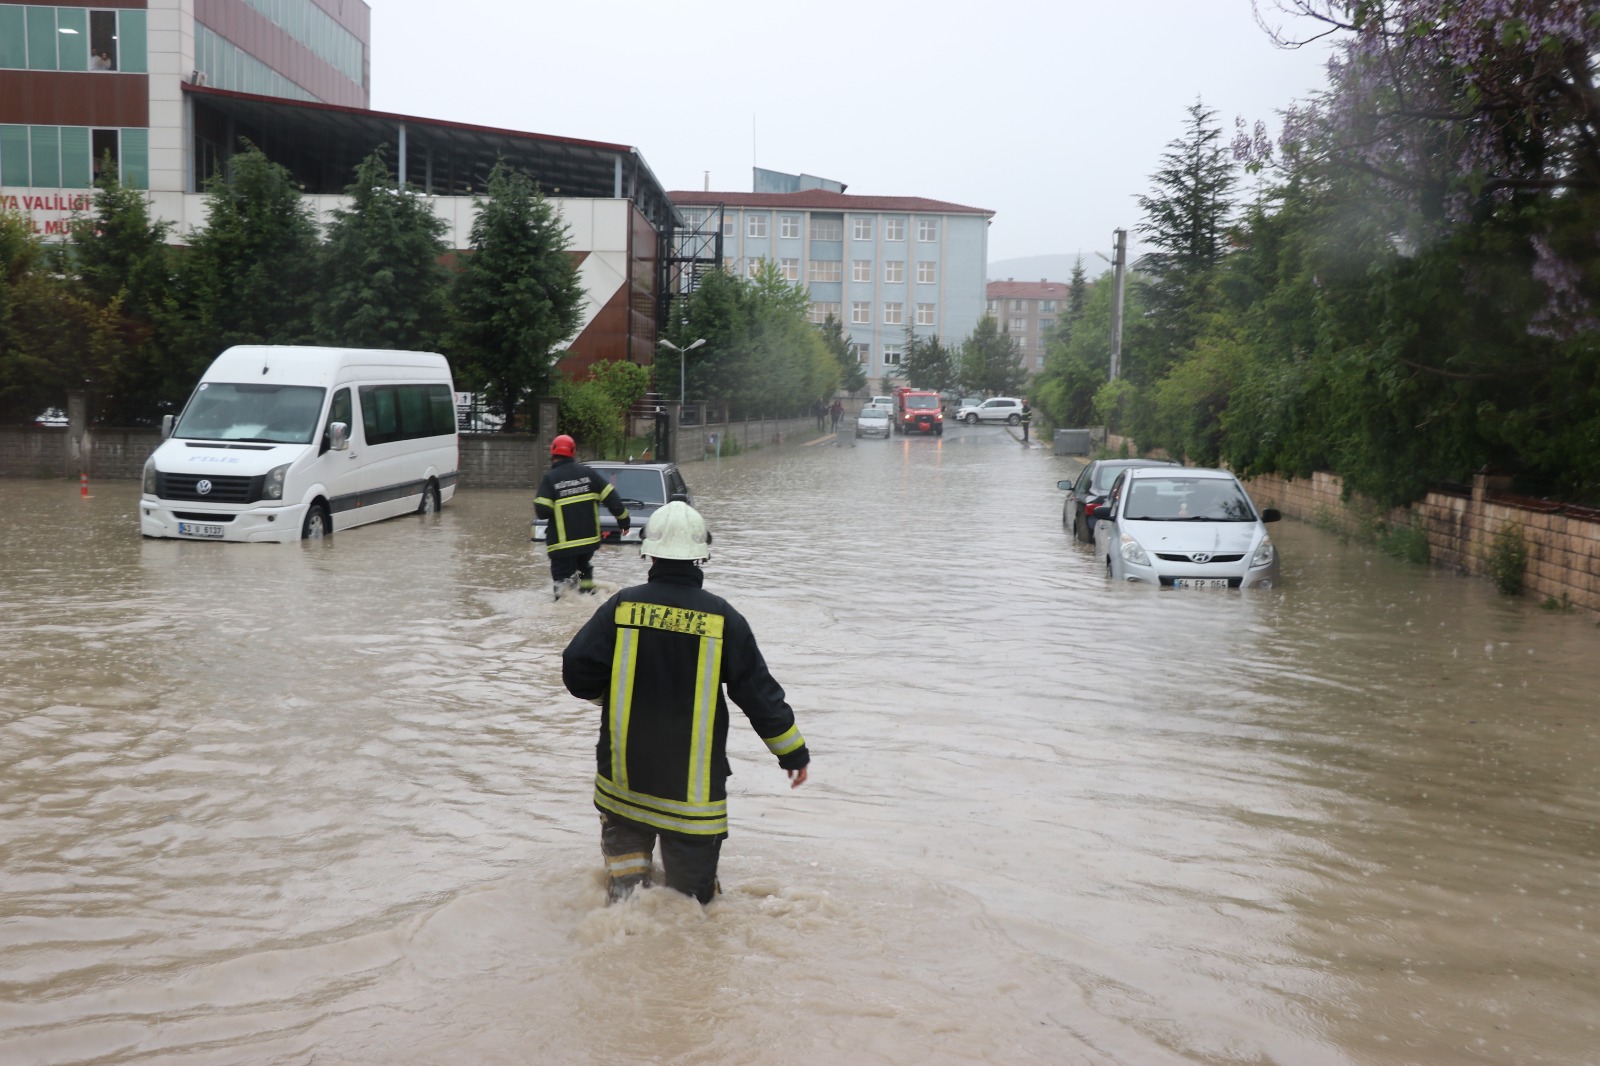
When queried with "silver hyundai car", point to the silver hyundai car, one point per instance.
{"points": [[1184, 527]]}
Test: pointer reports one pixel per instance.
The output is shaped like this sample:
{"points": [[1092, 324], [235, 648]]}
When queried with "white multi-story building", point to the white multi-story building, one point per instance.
{"points": [[878, 264]]}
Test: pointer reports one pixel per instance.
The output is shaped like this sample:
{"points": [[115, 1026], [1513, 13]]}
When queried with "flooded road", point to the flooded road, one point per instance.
{"points": [[329, 803]]}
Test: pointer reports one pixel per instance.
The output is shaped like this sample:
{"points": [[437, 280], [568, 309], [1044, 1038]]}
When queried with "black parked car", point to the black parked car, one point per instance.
{"points": [[1091, 488], [643, 488]]}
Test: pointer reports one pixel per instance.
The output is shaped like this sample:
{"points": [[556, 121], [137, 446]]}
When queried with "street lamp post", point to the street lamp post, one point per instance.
{"points": [[683, 363]]}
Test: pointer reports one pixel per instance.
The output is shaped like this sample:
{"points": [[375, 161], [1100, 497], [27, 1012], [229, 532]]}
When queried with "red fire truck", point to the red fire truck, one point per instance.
{"points": [[918, 411]]}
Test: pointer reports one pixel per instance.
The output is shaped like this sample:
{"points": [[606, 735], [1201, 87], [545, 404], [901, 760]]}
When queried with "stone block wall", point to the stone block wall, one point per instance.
{"points": [[1563, 542]]}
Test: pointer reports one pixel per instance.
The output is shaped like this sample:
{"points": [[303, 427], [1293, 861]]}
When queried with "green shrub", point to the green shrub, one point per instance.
{"points": [[1508, 560], [1408, 542]]}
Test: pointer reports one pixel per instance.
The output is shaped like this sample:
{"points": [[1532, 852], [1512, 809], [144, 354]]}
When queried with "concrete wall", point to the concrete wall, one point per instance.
{"points": [[1563, 542]]}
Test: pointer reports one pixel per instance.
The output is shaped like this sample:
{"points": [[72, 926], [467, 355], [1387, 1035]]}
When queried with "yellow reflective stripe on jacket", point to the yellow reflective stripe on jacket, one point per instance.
{"points": [[560, 521], [785, 742], [702, 819], [707, 684], [671, 619], [620, 706]]}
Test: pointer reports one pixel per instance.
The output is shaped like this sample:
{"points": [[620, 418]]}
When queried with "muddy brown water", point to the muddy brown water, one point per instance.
{"points": [[329, 803]]}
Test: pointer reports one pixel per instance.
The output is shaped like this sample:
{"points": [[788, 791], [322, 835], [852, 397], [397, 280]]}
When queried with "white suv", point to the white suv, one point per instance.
{"points": [[1007, 409]]}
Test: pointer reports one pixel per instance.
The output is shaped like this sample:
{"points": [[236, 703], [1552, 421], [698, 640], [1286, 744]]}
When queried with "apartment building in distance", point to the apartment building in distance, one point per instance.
{"points": [[877, 264], [1028, 311]]}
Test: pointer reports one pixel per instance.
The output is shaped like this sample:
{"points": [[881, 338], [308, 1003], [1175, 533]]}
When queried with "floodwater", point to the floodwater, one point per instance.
{"points": [[330, 804]]}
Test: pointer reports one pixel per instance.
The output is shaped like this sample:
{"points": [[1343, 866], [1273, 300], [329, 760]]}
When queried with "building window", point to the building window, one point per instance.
{"points": [[861, 228], [864, 353], [733, 265], [827, 229], [894, 314], [924, 314], [1047, 305], [756, 226], [927, 229], [821, 312], [752, 266], [860, 313], [891, 355], [927, 272], [730, 225], [993, 306], [894, 229], [1016, 305], [789, 226], [790, 269], [827, 270], [693, 217], [861, 270], [894, 271], [1019, 325], [1046, 323]]}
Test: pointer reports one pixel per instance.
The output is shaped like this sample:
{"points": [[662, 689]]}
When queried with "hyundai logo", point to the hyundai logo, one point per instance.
{"points": [[1199, 557], [203, 487]]}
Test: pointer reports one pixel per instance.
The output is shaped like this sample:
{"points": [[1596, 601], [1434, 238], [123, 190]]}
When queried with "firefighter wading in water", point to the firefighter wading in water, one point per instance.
{"points": [[656, 658], [569, 501]]}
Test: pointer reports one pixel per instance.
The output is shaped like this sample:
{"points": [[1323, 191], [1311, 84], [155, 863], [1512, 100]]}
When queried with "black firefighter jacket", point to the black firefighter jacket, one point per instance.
{"points": [[569, 500], [657, 656]]}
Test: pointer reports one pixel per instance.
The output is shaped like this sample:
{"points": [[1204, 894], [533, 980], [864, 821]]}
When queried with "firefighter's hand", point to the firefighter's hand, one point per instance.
{"points": [[797, 777], [624, 524]]}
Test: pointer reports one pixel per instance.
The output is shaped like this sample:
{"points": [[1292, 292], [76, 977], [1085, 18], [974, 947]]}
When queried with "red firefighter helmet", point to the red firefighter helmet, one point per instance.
{"points": [[564, 445]]}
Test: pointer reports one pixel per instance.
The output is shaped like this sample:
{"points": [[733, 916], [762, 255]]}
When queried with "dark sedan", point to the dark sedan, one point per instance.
{"points": [[1090, 488]]}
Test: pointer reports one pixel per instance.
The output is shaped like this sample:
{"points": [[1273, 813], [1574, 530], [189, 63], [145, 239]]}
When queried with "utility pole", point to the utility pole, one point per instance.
{"points": [[1119, 266]]}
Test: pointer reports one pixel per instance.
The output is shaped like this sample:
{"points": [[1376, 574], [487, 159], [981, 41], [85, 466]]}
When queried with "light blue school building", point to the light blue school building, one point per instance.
{"points": [[880, 265]]}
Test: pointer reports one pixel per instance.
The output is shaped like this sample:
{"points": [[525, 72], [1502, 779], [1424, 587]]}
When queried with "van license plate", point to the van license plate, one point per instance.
{"points": [[1199, 582], [194, 529]]}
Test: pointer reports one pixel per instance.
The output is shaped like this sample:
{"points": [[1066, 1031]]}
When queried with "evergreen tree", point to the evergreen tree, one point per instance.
{"points": [[517, 297], [250, 275], [852, 379], [927, 364], [1076, 298], [1186, 216], [121, 260], [384, 286], [990, 361]]}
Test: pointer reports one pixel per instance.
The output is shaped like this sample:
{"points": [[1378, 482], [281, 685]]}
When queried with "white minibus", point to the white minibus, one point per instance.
{"points": [[283, 443]]}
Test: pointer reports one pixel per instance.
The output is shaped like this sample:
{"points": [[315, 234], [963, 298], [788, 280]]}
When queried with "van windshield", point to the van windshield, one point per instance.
{"points": [[921, 403], [266, 414]]}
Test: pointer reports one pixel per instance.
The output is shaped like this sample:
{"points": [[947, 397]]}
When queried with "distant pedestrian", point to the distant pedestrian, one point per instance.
{"points": [[569, 501], [837, 411], [820, 409]]}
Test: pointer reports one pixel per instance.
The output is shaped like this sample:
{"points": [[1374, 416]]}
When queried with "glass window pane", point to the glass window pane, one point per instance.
{"points": [[14, 155], [74, 46], [41, 38], [133, 50], [74, 157], [136, 158], [13, 37], [45, 151]]}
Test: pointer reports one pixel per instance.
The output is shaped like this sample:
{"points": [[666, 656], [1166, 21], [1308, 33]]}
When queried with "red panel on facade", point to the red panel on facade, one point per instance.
{"points": [[74, 98]]}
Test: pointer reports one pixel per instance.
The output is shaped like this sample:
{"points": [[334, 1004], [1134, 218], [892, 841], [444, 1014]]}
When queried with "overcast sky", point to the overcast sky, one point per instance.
{"points": [[1053, 114]]}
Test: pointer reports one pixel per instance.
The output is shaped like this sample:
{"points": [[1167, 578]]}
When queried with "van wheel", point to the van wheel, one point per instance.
{"points": [[430, 498], [317, 524], [972, 420]]}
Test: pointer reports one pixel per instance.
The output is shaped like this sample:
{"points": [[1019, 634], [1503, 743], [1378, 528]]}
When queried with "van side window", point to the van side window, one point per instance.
{"points": [[338, 411], [405, 412]]}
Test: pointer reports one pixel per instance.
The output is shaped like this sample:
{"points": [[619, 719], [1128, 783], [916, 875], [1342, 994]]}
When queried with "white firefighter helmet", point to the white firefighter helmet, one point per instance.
{"points": [[676, 531]]}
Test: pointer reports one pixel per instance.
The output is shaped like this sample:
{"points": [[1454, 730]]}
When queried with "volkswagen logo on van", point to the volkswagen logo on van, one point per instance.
{"points": [[203, 486]]}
